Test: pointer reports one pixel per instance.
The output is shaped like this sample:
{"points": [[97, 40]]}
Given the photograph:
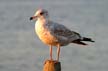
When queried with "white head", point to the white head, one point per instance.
{"points": [[40, 14]]}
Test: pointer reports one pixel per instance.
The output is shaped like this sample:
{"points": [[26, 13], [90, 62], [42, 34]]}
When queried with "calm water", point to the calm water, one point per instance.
{"points": [[21, 50]]}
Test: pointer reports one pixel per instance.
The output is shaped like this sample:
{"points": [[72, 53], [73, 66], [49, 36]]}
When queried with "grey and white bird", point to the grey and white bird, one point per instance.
{"points": [[54, 34]]}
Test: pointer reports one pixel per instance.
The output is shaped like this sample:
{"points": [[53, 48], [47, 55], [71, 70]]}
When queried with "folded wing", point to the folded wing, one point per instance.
{"points": [[63, 34]]}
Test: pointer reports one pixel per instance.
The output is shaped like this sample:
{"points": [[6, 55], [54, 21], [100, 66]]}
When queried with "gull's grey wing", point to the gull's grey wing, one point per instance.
{"points": [[61, 32]]}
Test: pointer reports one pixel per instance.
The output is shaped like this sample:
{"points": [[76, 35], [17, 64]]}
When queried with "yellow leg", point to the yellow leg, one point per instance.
{"points": [[51, 52], [58, 52]]}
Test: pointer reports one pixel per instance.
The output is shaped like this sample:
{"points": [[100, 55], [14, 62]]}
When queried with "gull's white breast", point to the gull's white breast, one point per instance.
{"points": [[44, 34]]}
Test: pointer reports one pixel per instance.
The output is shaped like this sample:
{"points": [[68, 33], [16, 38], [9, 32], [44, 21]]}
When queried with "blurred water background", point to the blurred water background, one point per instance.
{"points": [[21, 50]]}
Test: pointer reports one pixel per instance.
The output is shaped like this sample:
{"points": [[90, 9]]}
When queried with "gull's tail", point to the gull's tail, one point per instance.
{"points": [[87, 39], [79, 41]]}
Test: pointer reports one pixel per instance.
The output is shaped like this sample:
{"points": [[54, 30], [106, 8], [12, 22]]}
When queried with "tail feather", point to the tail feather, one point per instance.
{"points": [[79, 42], [87, 39]]}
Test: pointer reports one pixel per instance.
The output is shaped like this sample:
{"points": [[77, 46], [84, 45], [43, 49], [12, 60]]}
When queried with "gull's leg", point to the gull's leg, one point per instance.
{"points": [[51, 52], [58, 52]]}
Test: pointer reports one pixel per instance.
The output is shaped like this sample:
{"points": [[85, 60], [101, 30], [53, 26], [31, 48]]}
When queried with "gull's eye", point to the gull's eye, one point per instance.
{"points": [[41, 13]]}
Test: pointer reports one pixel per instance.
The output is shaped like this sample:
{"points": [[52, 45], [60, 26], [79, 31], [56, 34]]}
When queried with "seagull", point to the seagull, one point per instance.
{"points": [[55, 34]]}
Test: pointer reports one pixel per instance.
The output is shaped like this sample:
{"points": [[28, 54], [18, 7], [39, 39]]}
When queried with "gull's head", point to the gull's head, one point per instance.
{"points": [[40, 14]]}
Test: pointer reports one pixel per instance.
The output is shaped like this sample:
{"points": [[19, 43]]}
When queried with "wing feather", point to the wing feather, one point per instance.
{"points": [[60, 31]]}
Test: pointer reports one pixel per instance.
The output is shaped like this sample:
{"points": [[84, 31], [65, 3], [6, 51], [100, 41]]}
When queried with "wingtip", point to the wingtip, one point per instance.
{"points": [[92, 41]]}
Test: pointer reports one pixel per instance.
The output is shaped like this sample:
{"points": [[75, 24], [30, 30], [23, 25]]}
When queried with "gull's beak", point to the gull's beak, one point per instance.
{"points": [[33, 17]]}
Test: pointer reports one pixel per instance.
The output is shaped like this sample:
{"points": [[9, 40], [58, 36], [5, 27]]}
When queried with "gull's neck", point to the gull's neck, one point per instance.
{"points": [[40, 24], [43, 20]]}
